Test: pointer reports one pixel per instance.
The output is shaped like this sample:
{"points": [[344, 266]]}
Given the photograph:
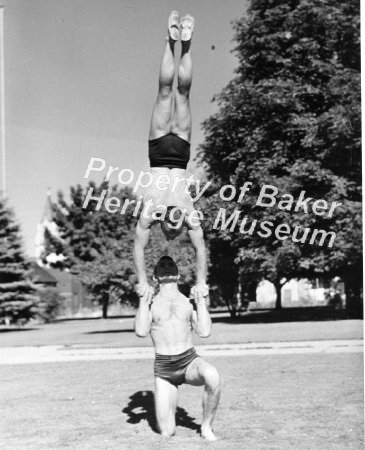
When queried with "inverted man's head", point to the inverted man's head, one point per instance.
{"points": [[173, 224], [166, 270]]}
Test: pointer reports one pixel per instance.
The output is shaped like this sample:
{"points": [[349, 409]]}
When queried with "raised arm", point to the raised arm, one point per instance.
{"points": [[201, 320], [140, 242], [143, 320], [144, 290], [197, 239]]}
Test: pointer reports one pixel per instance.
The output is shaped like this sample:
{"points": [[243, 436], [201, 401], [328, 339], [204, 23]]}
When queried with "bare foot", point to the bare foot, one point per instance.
{"points": [[208, 434]]}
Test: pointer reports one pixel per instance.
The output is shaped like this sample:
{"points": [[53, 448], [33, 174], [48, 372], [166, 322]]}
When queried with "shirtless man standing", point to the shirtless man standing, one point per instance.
{"points": [[170, 320], [168, 200]]}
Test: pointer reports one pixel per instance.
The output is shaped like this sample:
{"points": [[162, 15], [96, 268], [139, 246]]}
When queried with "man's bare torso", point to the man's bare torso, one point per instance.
{"points": [[172, 193], [171, 328]]}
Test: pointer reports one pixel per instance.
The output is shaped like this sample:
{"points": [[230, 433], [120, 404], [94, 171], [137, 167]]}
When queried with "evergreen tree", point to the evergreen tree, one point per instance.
{"points": [[17, 302]]}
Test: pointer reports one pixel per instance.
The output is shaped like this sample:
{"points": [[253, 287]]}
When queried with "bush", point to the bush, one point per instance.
{"points": [[50, 305]]}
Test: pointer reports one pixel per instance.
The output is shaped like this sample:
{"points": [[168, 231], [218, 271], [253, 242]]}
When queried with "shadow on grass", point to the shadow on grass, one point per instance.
{"points": [[141, 407], [86, 318], [9, 330], [303, 314], [110, 331]]}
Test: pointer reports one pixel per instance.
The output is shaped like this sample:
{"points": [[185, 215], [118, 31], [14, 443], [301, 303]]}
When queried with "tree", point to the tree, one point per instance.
{"points": [[223, 273], [291, 119], [180, 249], [17, 302], [97, 245]]}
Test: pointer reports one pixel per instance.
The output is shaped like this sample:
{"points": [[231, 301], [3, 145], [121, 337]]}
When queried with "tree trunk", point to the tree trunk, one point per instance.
{"points": [[251, 292], [105, 304], [229, 294], [248, 294], [231, 308], [354, 304], [239, 297], [278, 305]]}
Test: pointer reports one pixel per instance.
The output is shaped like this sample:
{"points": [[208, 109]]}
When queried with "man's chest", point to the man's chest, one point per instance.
{"points": [[168, 310]]}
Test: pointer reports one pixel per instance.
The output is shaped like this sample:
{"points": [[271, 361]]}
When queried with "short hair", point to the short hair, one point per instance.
{"points": [[161, 260]]}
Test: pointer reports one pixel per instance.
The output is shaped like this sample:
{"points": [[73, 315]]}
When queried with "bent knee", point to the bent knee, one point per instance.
{"points": [[165, 424], [164, 93], [167, 431], [211, 378], [183, 93]]}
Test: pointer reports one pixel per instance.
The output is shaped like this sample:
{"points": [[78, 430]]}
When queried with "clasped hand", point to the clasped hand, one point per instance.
{"points": [[144, 292], [200, 292]]}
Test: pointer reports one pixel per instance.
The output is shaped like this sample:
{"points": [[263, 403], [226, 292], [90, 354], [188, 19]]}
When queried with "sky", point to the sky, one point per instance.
{"points": [[81, 81]]}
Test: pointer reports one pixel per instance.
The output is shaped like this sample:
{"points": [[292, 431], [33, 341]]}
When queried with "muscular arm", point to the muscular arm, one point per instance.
{"points": [[201, 320], [143, 320], [140, 242], [197, 239]]}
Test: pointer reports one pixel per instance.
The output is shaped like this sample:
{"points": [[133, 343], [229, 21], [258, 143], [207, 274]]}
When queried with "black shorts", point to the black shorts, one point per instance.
{"points": [[172, 368], [169, 151]]}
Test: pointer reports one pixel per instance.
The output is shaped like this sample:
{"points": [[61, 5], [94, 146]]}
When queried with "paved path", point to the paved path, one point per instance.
{"points": [[59, 353]]}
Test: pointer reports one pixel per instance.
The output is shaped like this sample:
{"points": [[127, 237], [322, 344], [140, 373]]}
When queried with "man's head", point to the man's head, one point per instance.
{"points": [[173, 224], [166, 270]]}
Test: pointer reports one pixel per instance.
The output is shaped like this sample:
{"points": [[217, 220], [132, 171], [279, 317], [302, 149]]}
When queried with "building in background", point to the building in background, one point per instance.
{"points": [[302, 293], [46, 223], [66, 284]]}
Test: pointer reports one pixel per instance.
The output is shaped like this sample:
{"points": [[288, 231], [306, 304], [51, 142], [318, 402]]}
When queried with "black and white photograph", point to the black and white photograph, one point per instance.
{"points": [[181, 234]]}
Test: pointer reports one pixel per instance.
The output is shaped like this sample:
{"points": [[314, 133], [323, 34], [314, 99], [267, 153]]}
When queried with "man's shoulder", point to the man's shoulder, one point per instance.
{"points": [[182, 296], [188, 301], [158, 298]]}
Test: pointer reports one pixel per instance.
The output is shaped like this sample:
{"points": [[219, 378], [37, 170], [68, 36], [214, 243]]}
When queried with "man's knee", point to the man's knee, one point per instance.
{"points": [[166, 429], [167, 432], [165, 93], [182, 94], [211, 378], [165, 421]]}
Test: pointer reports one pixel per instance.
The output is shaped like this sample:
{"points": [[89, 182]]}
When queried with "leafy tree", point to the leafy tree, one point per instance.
{"points": [[97, 245], [17, 302], [180, 249], [223, 273], [50, 305], [291, 119]]}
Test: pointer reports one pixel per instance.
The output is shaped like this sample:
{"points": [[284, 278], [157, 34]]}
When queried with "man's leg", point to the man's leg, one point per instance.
{"points": [[162, 111], [181, 122], [198, 373], [165, 406]]}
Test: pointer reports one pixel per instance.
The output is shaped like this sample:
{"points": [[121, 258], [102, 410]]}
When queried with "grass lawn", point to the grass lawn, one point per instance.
{"points": [[268, 402]]}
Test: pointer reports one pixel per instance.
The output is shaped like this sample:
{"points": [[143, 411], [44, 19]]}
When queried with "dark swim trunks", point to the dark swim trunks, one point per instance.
{"points": [[172, 368], [169, 151]]}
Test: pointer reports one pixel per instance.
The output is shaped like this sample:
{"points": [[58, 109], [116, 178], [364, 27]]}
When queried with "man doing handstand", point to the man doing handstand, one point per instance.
{"points": [[170, 320], [169, 153]]}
